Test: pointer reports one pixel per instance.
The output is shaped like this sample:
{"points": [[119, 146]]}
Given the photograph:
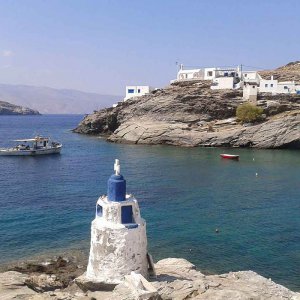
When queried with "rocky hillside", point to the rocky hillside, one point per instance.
{"points": [[291, 71], [191, 114], [11, 109]]}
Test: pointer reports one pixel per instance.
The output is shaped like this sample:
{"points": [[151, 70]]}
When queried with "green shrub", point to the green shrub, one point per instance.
{"points": [[248, 113]]}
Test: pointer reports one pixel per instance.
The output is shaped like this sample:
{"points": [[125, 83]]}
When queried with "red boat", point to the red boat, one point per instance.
{"points": [[230, 156]]}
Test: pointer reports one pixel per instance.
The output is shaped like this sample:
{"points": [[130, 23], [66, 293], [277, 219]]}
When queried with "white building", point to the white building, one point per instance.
{"points": [[225, 78], [190, 74], [137, 90], [268, 85], [250, 76], [118, 236], [195, 74], [287, 87], [250, 92], [273, 86], [209, 73], [222, 83], [234, 78], [185, 74], [226, 72]]}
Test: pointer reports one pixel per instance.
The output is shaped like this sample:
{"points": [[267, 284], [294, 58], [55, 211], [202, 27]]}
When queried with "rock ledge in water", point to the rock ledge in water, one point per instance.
{"points": [[12, 109]]}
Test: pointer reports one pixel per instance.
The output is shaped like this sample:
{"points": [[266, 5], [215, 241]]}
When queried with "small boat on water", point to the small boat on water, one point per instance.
{"points": [[230, 156], [34, 146]]}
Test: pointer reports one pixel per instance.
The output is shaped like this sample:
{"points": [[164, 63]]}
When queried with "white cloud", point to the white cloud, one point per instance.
{"points": [[7, 53]]}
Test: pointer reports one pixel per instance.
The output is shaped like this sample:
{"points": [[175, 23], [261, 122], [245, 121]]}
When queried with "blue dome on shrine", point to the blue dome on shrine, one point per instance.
{"points": [[116, 186]]}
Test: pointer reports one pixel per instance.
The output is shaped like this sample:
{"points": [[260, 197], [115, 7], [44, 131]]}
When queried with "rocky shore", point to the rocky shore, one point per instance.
{"points": [[12, 109], [191, 114], [176, 278]]}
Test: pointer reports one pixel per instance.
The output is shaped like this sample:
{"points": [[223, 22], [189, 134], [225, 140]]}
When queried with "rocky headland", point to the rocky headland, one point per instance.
{"points": [[191, 114], [12, 109], [59, 279]]}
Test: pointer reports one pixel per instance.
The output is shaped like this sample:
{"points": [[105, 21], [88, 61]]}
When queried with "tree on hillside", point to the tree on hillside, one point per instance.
{"points": [[248, 113]]}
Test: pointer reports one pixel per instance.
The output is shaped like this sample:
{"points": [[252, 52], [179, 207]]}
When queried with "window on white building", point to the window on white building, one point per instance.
{"points": [[130, 91], [99, 210], [209, 73], [271, 85], [139, 90], [285, 87], [266, 85], [126, 214]]}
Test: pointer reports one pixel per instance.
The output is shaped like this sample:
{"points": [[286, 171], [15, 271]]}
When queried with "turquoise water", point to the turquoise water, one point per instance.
{"points": [[47, 203]]}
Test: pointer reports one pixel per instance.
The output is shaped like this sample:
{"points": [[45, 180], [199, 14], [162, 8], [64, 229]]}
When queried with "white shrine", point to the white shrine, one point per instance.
{"points": [[118, 236]]}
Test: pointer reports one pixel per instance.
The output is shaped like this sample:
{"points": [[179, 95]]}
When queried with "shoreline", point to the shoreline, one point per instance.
{"points": [[80, 256], [79, 253], [191, 114], [53, 277]]}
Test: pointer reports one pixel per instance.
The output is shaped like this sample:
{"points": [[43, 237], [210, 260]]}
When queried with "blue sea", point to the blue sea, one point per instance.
{"points": [[185, 194]]}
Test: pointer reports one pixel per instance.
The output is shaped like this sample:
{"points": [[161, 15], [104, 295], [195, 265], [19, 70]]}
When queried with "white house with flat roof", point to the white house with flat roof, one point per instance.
{"points": [[226, 72], [288, 87], [225, 78], [209, 73], [137, 90], [185, 74], [189, 74], [223, 83], [250, 76], [268, 85], [274, 86], [234, 78]]}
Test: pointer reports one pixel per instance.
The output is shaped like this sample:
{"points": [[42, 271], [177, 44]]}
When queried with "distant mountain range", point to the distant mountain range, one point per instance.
{"points": [[55, 101]]}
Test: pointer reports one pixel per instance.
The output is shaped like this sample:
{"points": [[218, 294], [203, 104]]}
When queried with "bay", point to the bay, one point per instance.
{"points": [[185, 194]]}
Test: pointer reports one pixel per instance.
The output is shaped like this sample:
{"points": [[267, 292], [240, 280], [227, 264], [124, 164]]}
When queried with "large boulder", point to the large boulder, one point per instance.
{"points": [[280, 131], [135, 287], [178, 279], [44, 283], [89, 285]]}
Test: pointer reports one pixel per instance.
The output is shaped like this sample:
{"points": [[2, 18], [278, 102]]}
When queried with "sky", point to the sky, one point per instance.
{"points": [[103, 45]]}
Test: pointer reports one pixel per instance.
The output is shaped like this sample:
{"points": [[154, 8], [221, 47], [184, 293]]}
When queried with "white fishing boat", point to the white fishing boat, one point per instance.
{"points": [[35, 146]]}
